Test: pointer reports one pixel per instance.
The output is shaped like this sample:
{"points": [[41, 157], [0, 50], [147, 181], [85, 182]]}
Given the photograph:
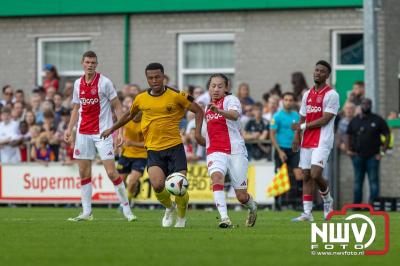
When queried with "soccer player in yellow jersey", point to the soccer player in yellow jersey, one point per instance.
{"points": [[133, 158], [162, 110]]}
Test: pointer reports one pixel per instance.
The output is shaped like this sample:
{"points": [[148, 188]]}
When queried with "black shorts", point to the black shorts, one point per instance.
{"points": [[293, 159], [170, 160], [126, 165]]}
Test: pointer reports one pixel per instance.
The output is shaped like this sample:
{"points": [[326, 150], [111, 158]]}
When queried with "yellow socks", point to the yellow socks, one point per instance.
{"points": [[165, 198], [182, 203]]}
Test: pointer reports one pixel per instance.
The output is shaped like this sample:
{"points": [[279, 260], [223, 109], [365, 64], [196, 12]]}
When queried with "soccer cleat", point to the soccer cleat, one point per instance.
{"points": [[131, 217], [225, 223], [180, 222], [328, 206], [168, 218], [252, 216], [81, 217], [304, 218]]}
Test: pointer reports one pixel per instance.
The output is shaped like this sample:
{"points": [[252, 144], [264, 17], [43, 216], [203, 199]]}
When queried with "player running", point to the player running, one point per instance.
{"points": [[318, 109], [162, 110], [133, 158], [226, 150], [93, 96]]}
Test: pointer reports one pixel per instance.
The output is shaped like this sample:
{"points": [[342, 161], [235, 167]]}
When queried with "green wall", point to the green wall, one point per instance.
{"points": [[345, 80]]}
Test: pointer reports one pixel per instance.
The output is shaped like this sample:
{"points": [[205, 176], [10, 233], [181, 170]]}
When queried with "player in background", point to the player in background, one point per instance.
{"points": [[93, 97], [133, 158], [162, 110], [318, 109], [226, 150]]}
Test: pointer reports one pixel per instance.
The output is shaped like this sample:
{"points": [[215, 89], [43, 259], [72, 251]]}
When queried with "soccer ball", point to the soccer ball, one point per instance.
{"points": [[176, 184]]}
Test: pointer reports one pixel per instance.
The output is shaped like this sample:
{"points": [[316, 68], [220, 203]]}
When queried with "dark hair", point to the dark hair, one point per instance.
{"points": [[276, 90], [6, 87], [258, 105], [20, 91], [266, 96], [154, 66], [359, 83], [48, 114], [89, 54], [65, 112], [218, 75], [325, 64], [53, 70], [6, 109], [289, 94]]}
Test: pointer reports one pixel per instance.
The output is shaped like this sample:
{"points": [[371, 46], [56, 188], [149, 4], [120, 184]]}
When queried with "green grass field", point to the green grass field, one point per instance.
{"points": [[42, 236]]}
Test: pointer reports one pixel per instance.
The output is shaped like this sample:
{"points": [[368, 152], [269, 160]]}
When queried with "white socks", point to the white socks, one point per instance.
{"points": [[307, 204], [86, 196], [120, 190], [220, 201]]}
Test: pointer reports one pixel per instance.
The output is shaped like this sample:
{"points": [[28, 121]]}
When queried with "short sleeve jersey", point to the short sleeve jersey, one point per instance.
{"points": [[161, 115], [223, 135], [313, 105], [94, 99]]}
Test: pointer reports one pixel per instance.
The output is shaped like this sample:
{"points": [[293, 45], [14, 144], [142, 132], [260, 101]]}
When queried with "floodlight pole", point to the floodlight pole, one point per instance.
{"points": [[371, 53]]}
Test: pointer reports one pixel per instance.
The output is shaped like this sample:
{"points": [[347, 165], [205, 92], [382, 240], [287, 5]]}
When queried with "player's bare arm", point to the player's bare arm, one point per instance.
{"points": [[297, 134], [126, 117], [324, 120], [199, 116], [72, 122], [116, 104], [230, 114]]}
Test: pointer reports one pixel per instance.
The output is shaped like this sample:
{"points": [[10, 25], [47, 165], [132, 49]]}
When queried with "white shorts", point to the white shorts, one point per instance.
{"points": [[86, 145], [313, 156], [234, 164]]}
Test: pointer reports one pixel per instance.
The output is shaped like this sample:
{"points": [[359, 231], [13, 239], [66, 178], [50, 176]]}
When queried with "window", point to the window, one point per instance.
{"points": [[203, 54], [349, 49], [64, 53]]}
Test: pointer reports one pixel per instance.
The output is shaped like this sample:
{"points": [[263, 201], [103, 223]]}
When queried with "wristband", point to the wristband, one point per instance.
{"points": [[303, 126]]}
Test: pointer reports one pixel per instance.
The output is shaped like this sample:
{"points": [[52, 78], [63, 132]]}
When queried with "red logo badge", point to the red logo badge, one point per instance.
{"points": [[77, 152]]}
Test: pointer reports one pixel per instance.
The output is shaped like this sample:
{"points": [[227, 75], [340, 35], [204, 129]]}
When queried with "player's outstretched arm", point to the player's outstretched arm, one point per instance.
{"points": [[199, 116], [126, 117], [72, 122], [297, 134]]}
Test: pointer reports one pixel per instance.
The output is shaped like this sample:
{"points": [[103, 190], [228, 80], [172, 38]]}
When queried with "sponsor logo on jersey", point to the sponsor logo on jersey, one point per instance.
{"points": [[86, 101], [213, 116], [313, 109]]}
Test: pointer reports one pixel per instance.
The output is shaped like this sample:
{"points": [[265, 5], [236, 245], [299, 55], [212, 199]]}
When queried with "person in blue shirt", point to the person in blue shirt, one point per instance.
{"points": [[282, 135]]}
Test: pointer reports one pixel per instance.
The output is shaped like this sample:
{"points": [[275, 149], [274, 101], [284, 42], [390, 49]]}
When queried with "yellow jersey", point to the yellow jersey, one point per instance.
{"points": [[133, 132], [161, 115]]}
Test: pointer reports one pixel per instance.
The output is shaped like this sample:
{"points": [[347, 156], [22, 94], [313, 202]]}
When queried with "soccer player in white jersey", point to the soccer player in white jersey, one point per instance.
{"points": [[93, 97], [318, 109], [226, 151]]}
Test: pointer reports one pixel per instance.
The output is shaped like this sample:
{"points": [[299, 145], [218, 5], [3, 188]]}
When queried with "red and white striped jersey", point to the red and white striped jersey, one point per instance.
{"points": [[313, 105], [223, 135], [95, 104]]}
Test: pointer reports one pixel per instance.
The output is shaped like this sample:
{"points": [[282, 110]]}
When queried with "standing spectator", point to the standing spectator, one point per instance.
{"points": [[36, 102], [58, 108], [23, 138], [344, 121], [18, 112], [8, 95], [131, 90], [244, 94], [357, 94], [49, 131], [50, 92], [282, 137], [30, 118], [9, 153], [126, 103], [364, 147], [256, 130], [197, 92], [273, 105], [299, 85], [20, 97], [51, 78], [42, 152], [67, 92]]}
